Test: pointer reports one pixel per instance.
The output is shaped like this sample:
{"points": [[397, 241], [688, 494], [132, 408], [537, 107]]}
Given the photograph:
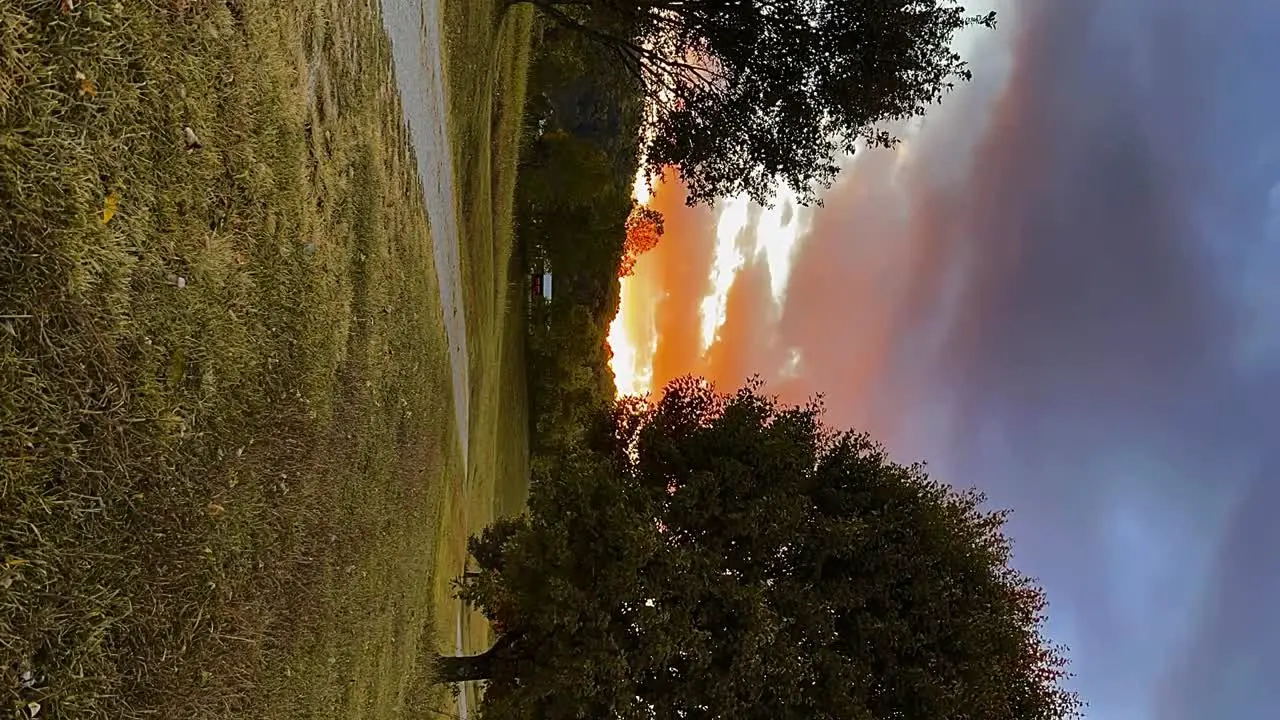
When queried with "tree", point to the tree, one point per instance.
{"points": [[644, 228], [565, 171], [726, 556], [747, 94]]}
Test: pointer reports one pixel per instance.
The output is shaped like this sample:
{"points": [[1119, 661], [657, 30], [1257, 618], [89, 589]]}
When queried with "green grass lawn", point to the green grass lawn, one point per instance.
{"points": [[488, 55], [228, 483]]}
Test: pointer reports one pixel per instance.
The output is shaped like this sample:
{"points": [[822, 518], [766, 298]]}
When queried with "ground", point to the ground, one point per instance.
{"points": [[232, 482], [488, 54]]}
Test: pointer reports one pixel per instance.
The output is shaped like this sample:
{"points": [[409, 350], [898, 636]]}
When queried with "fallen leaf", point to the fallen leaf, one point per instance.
{"points": [[215, 509], [87, 87], [33, 707], [109, 207], [67, 6]]}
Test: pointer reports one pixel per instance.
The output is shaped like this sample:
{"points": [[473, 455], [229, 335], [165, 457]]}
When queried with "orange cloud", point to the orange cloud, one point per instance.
{"points": [[680, 266], [881, 283]]}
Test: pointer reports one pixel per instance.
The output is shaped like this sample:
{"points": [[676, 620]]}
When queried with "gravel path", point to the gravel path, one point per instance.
{"points": [[414, 27]]}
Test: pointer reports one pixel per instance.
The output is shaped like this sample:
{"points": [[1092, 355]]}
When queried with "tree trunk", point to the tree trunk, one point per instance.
{"points": [[464, 668]]}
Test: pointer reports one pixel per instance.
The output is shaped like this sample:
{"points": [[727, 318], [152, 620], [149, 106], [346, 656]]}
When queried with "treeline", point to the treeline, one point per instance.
{"points": [[578, 163]]}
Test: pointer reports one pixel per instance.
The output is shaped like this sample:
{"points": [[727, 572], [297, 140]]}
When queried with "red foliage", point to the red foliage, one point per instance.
{"points": [[644, 228]]}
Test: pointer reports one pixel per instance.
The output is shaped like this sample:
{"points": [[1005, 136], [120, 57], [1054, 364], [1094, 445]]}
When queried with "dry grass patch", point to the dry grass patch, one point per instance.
{"points": [[224, 422]]}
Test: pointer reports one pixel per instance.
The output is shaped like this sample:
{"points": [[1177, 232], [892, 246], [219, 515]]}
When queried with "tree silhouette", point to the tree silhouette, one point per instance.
{"points": [[725, 556], [749, 94]]}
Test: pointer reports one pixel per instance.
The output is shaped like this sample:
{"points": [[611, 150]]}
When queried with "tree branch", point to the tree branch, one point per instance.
{"points": [[634, 56]]}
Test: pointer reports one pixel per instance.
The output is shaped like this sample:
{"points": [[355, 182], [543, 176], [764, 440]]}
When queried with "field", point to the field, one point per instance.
{"points": [[231, 483], [488, 57]]}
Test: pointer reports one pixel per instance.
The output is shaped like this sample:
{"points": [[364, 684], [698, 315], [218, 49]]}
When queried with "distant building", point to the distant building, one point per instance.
{"points": [[541, 285]]}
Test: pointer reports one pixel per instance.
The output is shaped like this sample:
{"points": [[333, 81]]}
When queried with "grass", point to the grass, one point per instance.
{"points": [[228, 485], [488, 55]]}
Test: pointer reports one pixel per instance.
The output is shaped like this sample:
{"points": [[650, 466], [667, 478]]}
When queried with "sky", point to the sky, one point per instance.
{"points": [[1064, 289]]}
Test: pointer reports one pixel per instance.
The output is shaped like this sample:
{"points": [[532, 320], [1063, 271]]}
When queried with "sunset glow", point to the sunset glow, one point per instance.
{"points": [[632, 335], [633, 339], [741, 235]]}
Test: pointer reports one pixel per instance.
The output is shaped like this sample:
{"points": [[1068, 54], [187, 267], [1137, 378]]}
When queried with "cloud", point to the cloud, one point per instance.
{"points": [[680, 264], [1063, 290], [1092, 356]]}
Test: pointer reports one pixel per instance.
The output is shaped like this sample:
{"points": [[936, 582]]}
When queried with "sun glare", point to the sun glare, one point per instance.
{"points": [[632, 336], [640, 188], [633, 339]]}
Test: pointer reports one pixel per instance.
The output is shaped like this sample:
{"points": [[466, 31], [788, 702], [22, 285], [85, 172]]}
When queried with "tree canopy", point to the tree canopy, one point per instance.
{"points": [[727, 556], [645, 227], [749, 94]]}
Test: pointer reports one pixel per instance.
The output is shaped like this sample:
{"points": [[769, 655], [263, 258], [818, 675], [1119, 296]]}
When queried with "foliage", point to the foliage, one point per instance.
{"points": [[567, 377], [573, 204], [716, 556], [644, 229], [747, 94]]}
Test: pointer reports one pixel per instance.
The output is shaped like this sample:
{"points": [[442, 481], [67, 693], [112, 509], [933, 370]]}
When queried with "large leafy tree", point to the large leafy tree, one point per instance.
{"points": [[747, 94], [725, 556]]}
